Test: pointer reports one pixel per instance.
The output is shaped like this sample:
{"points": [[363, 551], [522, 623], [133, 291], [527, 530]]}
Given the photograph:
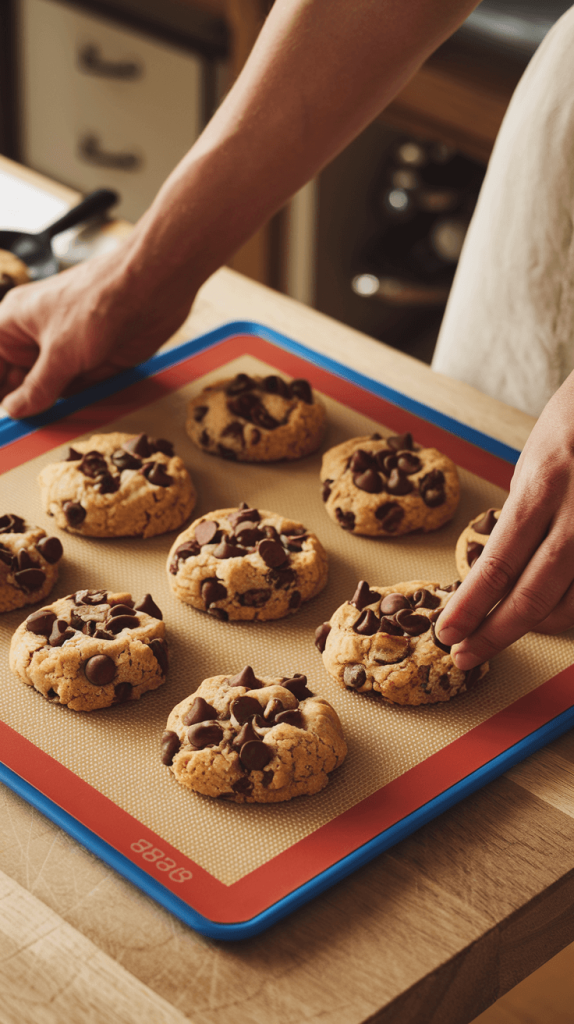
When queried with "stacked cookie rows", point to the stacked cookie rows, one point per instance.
{"points": [[237, 737]]}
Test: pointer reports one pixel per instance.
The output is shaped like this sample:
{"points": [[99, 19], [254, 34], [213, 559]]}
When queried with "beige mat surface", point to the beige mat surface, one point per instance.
{"points": [[117, 750]]}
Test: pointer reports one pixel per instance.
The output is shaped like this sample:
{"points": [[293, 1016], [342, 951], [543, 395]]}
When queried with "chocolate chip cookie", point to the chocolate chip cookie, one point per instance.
{"points": [[383, 639], [118, 485], [246, 563], [12, 272], [253, 740], [383, 487], [92, 649], [257, 419], [29, 563], [472, 540]]}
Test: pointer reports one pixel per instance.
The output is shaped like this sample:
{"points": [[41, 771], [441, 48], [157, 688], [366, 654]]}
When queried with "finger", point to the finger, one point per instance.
{"points": [[41, 386], [508, 550], [561, 618], [541, 587]]}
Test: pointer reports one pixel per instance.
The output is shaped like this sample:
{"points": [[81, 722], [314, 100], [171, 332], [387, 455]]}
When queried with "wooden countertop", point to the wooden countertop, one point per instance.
{"points": [[431, 932]]}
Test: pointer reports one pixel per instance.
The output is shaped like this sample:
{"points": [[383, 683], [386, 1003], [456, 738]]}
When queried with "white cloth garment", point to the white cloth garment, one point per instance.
{"points": [[508, 328]]}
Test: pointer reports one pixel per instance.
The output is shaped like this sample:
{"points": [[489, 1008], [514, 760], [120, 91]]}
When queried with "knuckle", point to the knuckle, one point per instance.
{"points": [[496, 572], [530, 605]]}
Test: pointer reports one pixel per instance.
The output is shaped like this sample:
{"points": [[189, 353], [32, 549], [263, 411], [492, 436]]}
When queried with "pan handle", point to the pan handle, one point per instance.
{"points": [[97, 202]]}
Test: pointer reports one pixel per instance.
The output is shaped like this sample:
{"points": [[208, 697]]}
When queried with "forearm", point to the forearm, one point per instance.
{"points": [[319, 73]]}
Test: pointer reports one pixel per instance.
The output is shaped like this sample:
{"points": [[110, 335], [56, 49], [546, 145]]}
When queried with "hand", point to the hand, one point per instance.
{"points": [[523, 580], [72, 330]]}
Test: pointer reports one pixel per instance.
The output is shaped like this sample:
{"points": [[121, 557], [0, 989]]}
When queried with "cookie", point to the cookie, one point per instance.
{"points": [[92, 649], [384, 487], [29, 563], [246, 563], [12, 272], [253, 740], [472, 540], [257, 419], [383, 639], [118, 485]]}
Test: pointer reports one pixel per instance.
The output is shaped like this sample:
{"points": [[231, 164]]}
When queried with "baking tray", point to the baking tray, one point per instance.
{"points": [[231, 870]]}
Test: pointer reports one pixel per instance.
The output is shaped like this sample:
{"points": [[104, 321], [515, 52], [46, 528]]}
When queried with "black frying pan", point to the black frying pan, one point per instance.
{"points": [[36, 250]]}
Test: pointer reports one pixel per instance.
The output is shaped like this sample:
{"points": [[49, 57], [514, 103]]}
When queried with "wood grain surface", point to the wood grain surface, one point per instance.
{"points": [[431, 932]]}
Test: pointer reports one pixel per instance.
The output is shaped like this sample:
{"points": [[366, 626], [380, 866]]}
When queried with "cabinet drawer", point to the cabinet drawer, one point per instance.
{"points": [[102, 105]]}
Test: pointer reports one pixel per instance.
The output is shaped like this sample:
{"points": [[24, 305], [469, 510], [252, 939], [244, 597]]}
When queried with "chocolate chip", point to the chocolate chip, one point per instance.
{"points": [[243, 406], [121, 609], [107, 484], [244, 514], [248, 535], [205, 734], [199, 413], [92, 464], [159, 650], [161, 444], [399, 484], [188, 549], [411, 623], [437, 642], [450, 589], [387, 461], [254, 755], [212, 590], [227, 549], [204, 439], [262, 418], [424, 599], [122, 692], [276, 386], [61, 631], [99, 634], [295, 600], [30, 580], [12, 524], [244, 708], [206, 531], [297, 685], [472, 676], [369, 481], [24, 561], [300, 388], [6, 556], [281, 578], [116, 625], [367, 624], [73, 455], [235, 430], [254, 598], [321, 634], [41, 622], [473, 552], [226, 453], [408, 463], [354, 676], [241, 382], [390, 627], [363, 596], [399, 441], [99, 670], [345, 519], [245, 735], [246, 678], [90, 597], [51, 549], [392, 603], [218, 613], [432, 488], [390, 515], [149, 607], [200, 711], [156, 474], [138, 446], [271, 532], [486, 523], [255, 438], [290, 717], [274, 707], [125, 460], [243, 786], [273, 553], [326, 489], [74, 513]]}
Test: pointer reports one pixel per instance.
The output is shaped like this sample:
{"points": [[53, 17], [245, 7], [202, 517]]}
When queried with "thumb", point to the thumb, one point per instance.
{"points": [[41, 386]]}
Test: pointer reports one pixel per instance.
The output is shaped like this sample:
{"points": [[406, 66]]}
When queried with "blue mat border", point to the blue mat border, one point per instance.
{"points": [[12, 430]]}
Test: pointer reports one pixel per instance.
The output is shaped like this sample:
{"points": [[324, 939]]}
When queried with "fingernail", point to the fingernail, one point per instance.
{"points": [[449, 636], [465, 660]]}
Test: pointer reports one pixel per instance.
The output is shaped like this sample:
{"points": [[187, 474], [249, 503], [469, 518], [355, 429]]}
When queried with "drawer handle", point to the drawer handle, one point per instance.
{"points": [[90, 151], [91, 62]]}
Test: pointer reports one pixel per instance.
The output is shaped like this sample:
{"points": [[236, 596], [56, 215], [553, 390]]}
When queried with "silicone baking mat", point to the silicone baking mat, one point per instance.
{"points": [[231, 870]]}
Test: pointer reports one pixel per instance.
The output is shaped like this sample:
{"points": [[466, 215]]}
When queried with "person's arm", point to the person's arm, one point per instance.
{"points": [[526, 570], [320, 71]]}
